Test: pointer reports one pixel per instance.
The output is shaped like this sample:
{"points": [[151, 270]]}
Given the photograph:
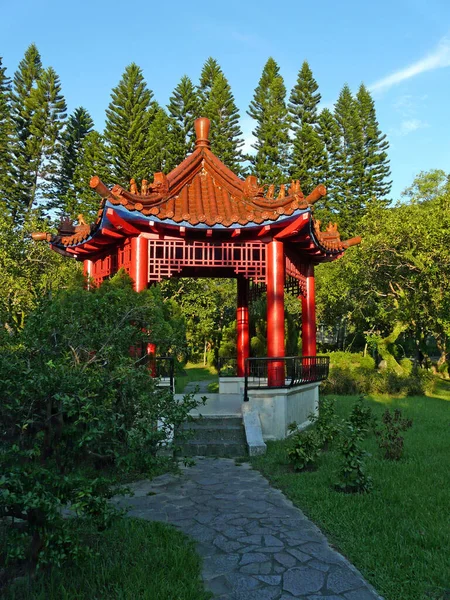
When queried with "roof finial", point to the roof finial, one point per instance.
{"points": [[202, 132]]}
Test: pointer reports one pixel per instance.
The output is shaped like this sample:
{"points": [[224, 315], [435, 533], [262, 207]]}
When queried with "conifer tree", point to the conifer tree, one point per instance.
{"points": [[329, 134], [184, 108], [268, 108], [129, 116], [307, 148], [376, 172], [44, 144], [92, 160], [5, 133], [226, 134], [163, 140], [79, 125], [210, 71], [24, 81]]}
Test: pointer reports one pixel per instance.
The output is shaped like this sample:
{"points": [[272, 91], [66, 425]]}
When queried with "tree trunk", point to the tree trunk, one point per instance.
{"points": [[383, 347]]}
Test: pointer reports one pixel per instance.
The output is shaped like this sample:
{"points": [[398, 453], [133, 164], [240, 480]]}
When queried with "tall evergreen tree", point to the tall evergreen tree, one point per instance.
{"points": [[328, 131], [184, 108], [129, 116], [374, 183], [79, 125], [5, 133], [92, 160], [226, 134], [44, 144], [164, 143], [268, 108], [209, 72], [24, 81], [307, 157]]}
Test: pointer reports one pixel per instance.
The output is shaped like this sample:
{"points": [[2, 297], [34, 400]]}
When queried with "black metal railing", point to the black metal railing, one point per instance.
{"points": [[162, 367], [284, 372], [227, 366]]}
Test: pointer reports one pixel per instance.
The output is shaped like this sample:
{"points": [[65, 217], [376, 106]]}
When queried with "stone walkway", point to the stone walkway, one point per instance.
{"points": [[197, 387], [254, 543]]}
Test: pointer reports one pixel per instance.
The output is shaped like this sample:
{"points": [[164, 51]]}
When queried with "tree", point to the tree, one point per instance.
{"points": [[328, 131], [308, 153], [24, 81], [210, 71], [184, 108], [226, 134], [268, 108], [5, 133], [92, 160], [129, 116], [163, 143], [78, 126], [373, 182], [44, 144]]}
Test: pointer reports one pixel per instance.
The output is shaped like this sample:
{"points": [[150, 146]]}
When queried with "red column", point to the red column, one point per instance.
{"points": [[88, 270], [139, 262], [151, 351], [243, 336], [309, 313], [275, 310]]}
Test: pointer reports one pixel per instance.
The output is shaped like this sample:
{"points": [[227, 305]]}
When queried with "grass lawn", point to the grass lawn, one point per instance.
{"points": [[195, 372], [136, 560], [398, 535]]}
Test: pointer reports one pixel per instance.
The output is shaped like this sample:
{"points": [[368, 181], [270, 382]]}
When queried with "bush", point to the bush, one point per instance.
{"points": [[73, 402], [327, 425], [389, 438], [304, 449], [361, 416], [352, 476]]}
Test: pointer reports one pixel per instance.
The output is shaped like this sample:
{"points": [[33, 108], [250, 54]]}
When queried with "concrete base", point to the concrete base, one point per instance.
{"points": [[278, 408], [231, 385]]}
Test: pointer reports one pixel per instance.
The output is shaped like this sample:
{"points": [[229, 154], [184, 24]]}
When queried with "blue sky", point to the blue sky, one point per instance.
{"points": [[400, 49]]}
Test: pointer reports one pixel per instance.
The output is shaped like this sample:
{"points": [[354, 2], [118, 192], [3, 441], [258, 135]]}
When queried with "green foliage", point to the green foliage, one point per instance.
{"points": [[129, 116], [163, 143], [352, 475], [361, 416], [389, 438], [326, 422], [304, 448], [5, 133], [211, 69], [184, 108], [268, 109], [74, 401]]}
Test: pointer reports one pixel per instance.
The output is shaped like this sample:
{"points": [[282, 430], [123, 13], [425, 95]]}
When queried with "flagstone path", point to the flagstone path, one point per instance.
{"points": [[255, 544]]}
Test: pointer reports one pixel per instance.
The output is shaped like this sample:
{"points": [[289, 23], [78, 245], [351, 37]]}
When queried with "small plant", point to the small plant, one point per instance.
{"points": [[389, 437], [352, 476], [304, 449], [326, 422], [362, 417]]}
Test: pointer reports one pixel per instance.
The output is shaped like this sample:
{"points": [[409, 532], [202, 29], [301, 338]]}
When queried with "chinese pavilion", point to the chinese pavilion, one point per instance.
{"points": [[202, 220]]}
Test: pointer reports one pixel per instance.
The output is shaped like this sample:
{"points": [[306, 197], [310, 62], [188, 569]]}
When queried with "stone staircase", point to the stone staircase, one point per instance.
{"points": [[214, 436]]}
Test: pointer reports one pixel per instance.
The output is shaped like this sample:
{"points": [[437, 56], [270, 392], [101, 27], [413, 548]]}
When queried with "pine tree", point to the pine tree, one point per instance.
{"points": [[24, 81], [5, 133], [226, 134], [375, 182], [92, 160], [210, 71], [307, 148], [163, 143], [44, 144], [350, 166], [184, 108], [328, 131], [129, 116], [79, 125], [268, 108]]}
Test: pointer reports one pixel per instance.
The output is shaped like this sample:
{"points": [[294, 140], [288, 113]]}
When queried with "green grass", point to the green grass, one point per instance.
{"points": [[137, 560], [194, 372], [398, 535]]}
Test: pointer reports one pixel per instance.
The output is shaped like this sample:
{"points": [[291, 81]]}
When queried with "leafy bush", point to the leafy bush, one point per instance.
{"points": [[73, 402], [389, 437], [361, 416], [326, 422], [352, 476], [304, 449]]}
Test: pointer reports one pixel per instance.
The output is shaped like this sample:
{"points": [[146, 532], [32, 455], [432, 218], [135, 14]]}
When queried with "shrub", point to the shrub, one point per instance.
{"points": [[304, 449], [352, 476], [327, 425], [389, 438], [361, 416]]}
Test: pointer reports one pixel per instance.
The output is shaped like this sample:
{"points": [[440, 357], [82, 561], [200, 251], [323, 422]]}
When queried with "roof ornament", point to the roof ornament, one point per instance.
{"points": [[133, 187], [202, 126]]}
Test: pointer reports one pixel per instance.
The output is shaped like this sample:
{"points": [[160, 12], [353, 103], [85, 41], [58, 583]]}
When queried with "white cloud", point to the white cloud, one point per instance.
{"points": [[438, 59], [410, 125]]}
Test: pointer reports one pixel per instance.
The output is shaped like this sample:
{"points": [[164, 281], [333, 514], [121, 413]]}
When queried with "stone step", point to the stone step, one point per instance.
{"points": [[206, 422], [218, 448]]}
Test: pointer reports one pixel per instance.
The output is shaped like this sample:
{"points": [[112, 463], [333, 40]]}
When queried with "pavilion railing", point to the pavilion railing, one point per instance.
{"points": [[284, 372], [227, 366], [161, 367]]}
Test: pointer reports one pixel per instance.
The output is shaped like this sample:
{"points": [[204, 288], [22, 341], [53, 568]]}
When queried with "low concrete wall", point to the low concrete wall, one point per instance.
{"points": [[278, 408], [231, 385], [217, 405]]}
